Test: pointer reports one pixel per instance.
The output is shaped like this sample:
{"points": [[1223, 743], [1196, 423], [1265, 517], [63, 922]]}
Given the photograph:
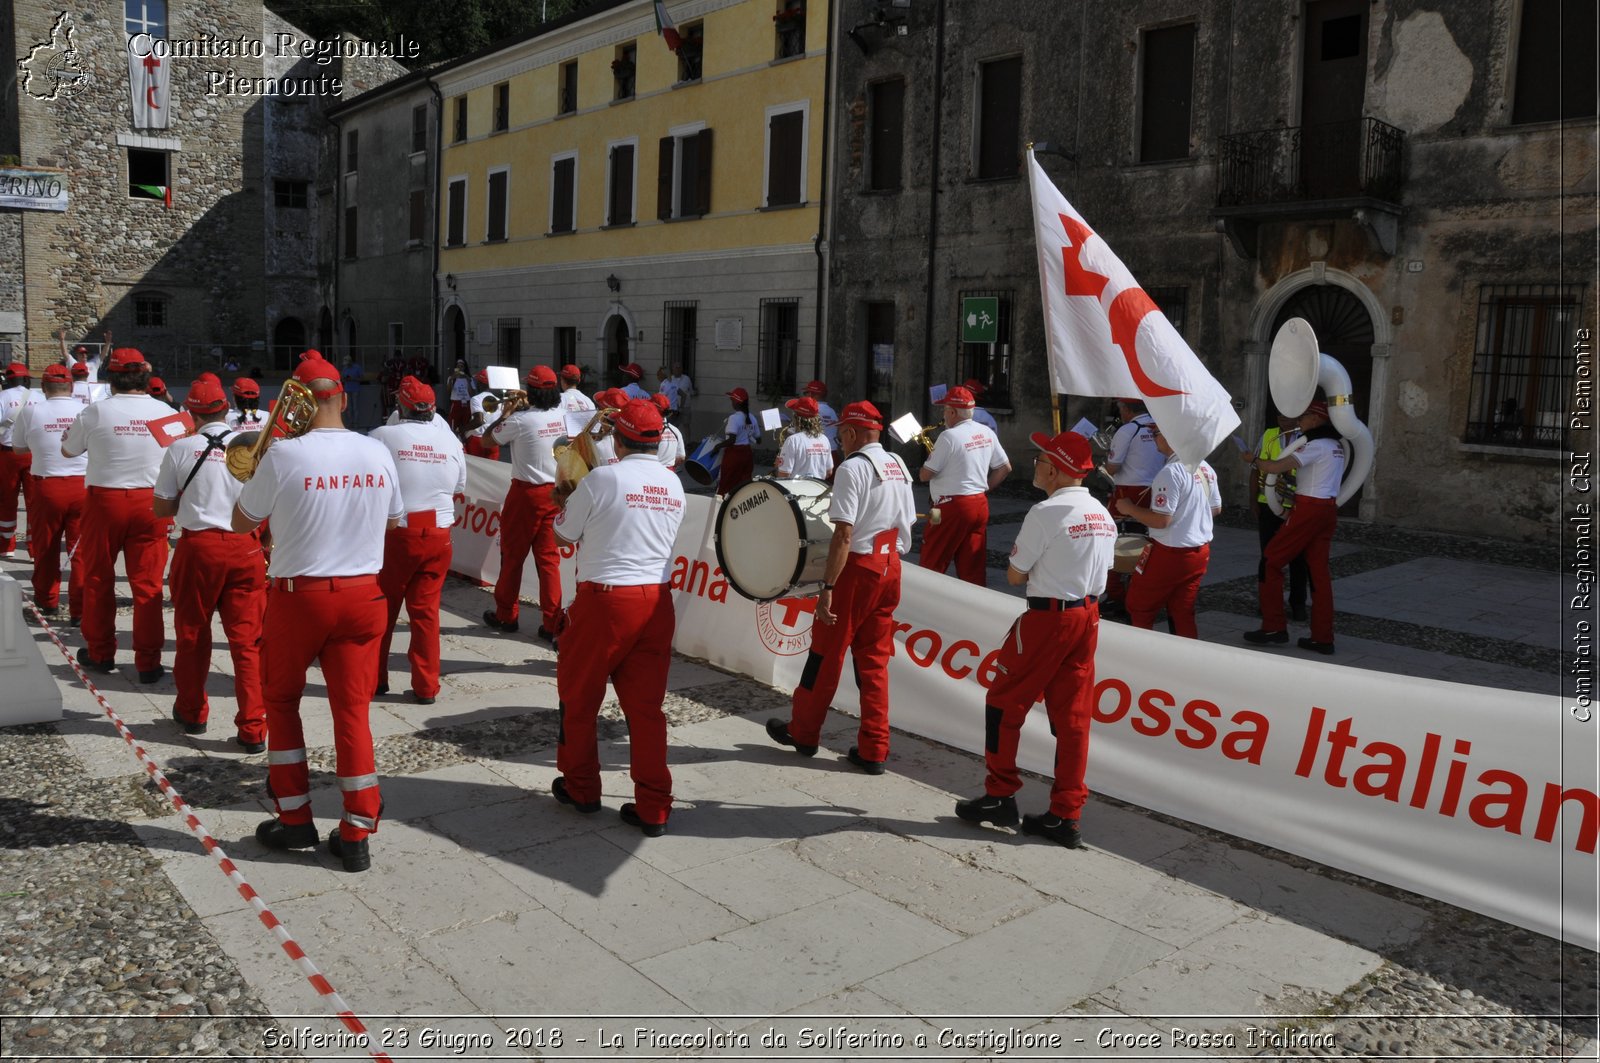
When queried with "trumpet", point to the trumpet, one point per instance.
{"points": [[925, 437], [507, 405], [291, 416]]}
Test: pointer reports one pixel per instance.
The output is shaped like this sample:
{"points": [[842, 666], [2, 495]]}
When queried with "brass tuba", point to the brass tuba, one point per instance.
{"points": [[575, 455], [291, 416], [1296, 368]]}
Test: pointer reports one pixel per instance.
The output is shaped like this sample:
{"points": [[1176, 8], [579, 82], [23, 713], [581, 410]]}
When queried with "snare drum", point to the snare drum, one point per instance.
{"points": [[772, 538], [702, 465], [1130, 548]]}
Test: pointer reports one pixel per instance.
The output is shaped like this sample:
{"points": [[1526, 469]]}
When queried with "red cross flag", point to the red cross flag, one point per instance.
{"points": [[1106, 337], [150, 88], [168, 430]]}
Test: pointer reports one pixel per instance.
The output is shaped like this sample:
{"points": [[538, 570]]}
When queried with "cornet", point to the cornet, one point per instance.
{"points": [[925, 437]]}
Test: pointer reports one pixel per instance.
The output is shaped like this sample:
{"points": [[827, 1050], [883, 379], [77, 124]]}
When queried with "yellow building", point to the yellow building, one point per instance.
{"points": [[604, 200]]}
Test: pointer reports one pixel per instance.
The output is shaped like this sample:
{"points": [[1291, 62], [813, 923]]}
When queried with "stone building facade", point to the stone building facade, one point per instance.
{"points": [[230, 266], [1404, 174]]}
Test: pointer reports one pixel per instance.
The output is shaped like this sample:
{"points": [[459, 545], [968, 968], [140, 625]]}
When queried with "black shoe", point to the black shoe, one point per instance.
{"points": [[188, 728], [382, 689], [153, 675], [250, 747], [74, 621], [1001, 811], [276, 834], [548, 636], [630, 816], [1263, 638], [492, 620], [1061, 831], [871, 767], [558, 786], [1297, 612], [354, 855], [105, 667], [421, 699], [1324, 648], [778, 731]]}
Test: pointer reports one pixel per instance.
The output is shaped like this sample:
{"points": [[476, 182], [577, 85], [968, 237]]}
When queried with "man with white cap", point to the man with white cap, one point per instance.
{"points": [[432, 467], [1183, 505], [1062, 552], [626, 517], [55, 503], [118, 516], [331, 495], [14, 475], [966, 463], [806, 452], [872, 509], [214, 569]]}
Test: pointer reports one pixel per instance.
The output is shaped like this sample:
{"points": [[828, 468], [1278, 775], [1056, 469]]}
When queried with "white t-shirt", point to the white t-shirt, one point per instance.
{"points": [[634, 391], [431, 467], [870, 504], [86, 391], [744, 428], [12, 402], [605, 451], [208, 500], [1066, 545], [805, 455], [671, 451], [460, 389], [985, 418], [39, 428], [1188, 499], [962, 459], [241, 421], [122, 452], [1134, 448], [1321, 464], [674, 396], [575, 401], [330, 494], [830, 423], [627, 515], [394, 418], [684, 387], [531, 434]]}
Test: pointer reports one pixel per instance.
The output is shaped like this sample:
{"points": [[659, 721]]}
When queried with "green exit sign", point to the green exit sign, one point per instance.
{"points": [[980, 319]]}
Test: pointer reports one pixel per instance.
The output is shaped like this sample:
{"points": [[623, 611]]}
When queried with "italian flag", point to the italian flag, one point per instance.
{"points": [[161, 192], [664, 26]]}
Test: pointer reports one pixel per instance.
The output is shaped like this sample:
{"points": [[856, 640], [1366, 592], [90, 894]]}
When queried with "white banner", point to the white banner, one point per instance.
{"points": [[33, 190], [1483, 798], [150, 89]]}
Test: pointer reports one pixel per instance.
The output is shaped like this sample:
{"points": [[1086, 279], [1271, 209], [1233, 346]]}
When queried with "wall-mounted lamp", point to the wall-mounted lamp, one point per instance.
{"points": [[641, 336], [614, 284], [450, 281], [580, 337]]}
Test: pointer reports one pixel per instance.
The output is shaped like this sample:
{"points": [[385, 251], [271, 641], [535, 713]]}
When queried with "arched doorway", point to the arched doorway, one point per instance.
{"points": [[618, 347], [288, 340], [455, 336]]}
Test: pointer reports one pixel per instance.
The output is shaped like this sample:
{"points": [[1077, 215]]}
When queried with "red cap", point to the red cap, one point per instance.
{"points": [[413, 394], [482, 376], [739, 395], [80, 349], [958, 397], [632, 369], [205, 397], [312, 355], [57, 374], [124, 358], [542, 376], [80, 370], [17, 369], [662, 402], [616, 399], [208, 375], [1319, 408], [974, 385], [1132, 402], [817, 388], [158, 387], [861, 415], [571, 372], [639, 420], [314, 369], [805, 406], [1068, 452], [246, 388]]}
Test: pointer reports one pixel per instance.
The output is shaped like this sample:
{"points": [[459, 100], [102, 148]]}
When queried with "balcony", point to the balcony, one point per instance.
{"points": [[1339, 170]]}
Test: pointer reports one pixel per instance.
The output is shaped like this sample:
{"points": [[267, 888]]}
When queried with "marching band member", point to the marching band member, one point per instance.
{"points": [[56, 502], [966, 463], [574, 402], [872, 510], [979, 414], [158, 390], [432, 468], [246, 415], [1183, 505], [214, 569], [1132, 462], [742, 432], [825, 413], [806, 453], [1268, 523], [605, 450], [528, 514], [672, 452], [479, 421], [82, 382], [14, 475], [1062, 553], [1309, 531], [620, 625], [124, 457], [331, 494], [632, 374]]}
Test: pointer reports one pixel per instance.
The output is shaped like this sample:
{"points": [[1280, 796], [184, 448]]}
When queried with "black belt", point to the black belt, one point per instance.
{"points": [[1058, 605]]}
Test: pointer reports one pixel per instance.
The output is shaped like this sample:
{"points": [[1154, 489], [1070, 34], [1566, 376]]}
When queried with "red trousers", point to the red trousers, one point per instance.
{"points": [[14, 479], [1308, 531], [54, 510], [217, 571], [1049, 653], [337, 623], [1116, 582], [738, 465], [962, 536], [1170, 580], [527, 519], [116, 521], [476, 446], [864, 601], [416, 560], [623, 634], [460, 413]]}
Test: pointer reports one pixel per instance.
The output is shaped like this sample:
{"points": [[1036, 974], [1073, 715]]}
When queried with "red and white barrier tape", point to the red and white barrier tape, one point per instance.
{"points": [[318, 981]]}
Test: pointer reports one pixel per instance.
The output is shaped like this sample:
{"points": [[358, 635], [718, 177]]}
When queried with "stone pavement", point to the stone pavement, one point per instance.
{"points": [[842, 915]]}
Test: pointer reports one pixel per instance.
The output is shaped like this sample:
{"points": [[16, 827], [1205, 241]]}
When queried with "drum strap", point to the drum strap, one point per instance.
{"points": [[875, 460]]}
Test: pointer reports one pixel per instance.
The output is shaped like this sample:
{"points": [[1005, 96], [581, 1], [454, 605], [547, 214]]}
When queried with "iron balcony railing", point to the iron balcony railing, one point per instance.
{"points": [[1338, 160]]}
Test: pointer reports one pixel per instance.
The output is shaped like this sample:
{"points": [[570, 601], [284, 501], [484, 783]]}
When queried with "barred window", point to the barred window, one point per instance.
{"points": [[678, 333], [778, 361], [989, 363], [1521, 369], [150, 311]]}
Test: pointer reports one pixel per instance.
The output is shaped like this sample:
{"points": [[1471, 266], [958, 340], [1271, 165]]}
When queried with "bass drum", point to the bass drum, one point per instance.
{"points": [[772, 538]]}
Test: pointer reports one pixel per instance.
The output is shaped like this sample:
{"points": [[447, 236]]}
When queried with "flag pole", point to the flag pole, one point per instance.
{"points": [[1049, 360]]}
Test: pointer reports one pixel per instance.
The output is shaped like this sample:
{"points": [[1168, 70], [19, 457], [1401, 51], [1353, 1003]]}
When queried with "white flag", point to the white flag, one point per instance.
{"points": [[150, 86], [1106, 337]]}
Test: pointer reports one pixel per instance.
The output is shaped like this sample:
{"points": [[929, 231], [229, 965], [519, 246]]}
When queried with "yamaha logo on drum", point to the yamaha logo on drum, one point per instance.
{"points": [[735, 512]]}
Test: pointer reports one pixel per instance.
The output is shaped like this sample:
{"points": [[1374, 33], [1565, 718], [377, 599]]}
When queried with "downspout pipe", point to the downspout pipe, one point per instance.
{"points": [[933, 207], [433, 197], [825, 204]]}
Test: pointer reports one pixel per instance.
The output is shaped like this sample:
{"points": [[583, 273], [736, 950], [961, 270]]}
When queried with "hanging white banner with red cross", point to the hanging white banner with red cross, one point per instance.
{"points": [[150, 89]]}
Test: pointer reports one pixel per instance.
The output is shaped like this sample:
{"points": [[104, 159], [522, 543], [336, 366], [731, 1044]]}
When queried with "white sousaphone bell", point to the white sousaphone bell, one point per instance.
{"points": [[1295, 370]]}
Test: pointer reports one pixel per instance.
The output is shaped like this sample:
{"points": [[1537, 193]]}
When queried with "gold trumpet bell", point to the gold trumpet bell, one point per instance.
{"points": [[291, 417]]}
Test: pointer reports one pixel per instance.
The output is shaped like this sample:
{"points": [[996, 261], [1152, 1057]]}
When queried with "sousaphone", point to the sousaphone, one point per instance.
{"points": [[1295, 370]]}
